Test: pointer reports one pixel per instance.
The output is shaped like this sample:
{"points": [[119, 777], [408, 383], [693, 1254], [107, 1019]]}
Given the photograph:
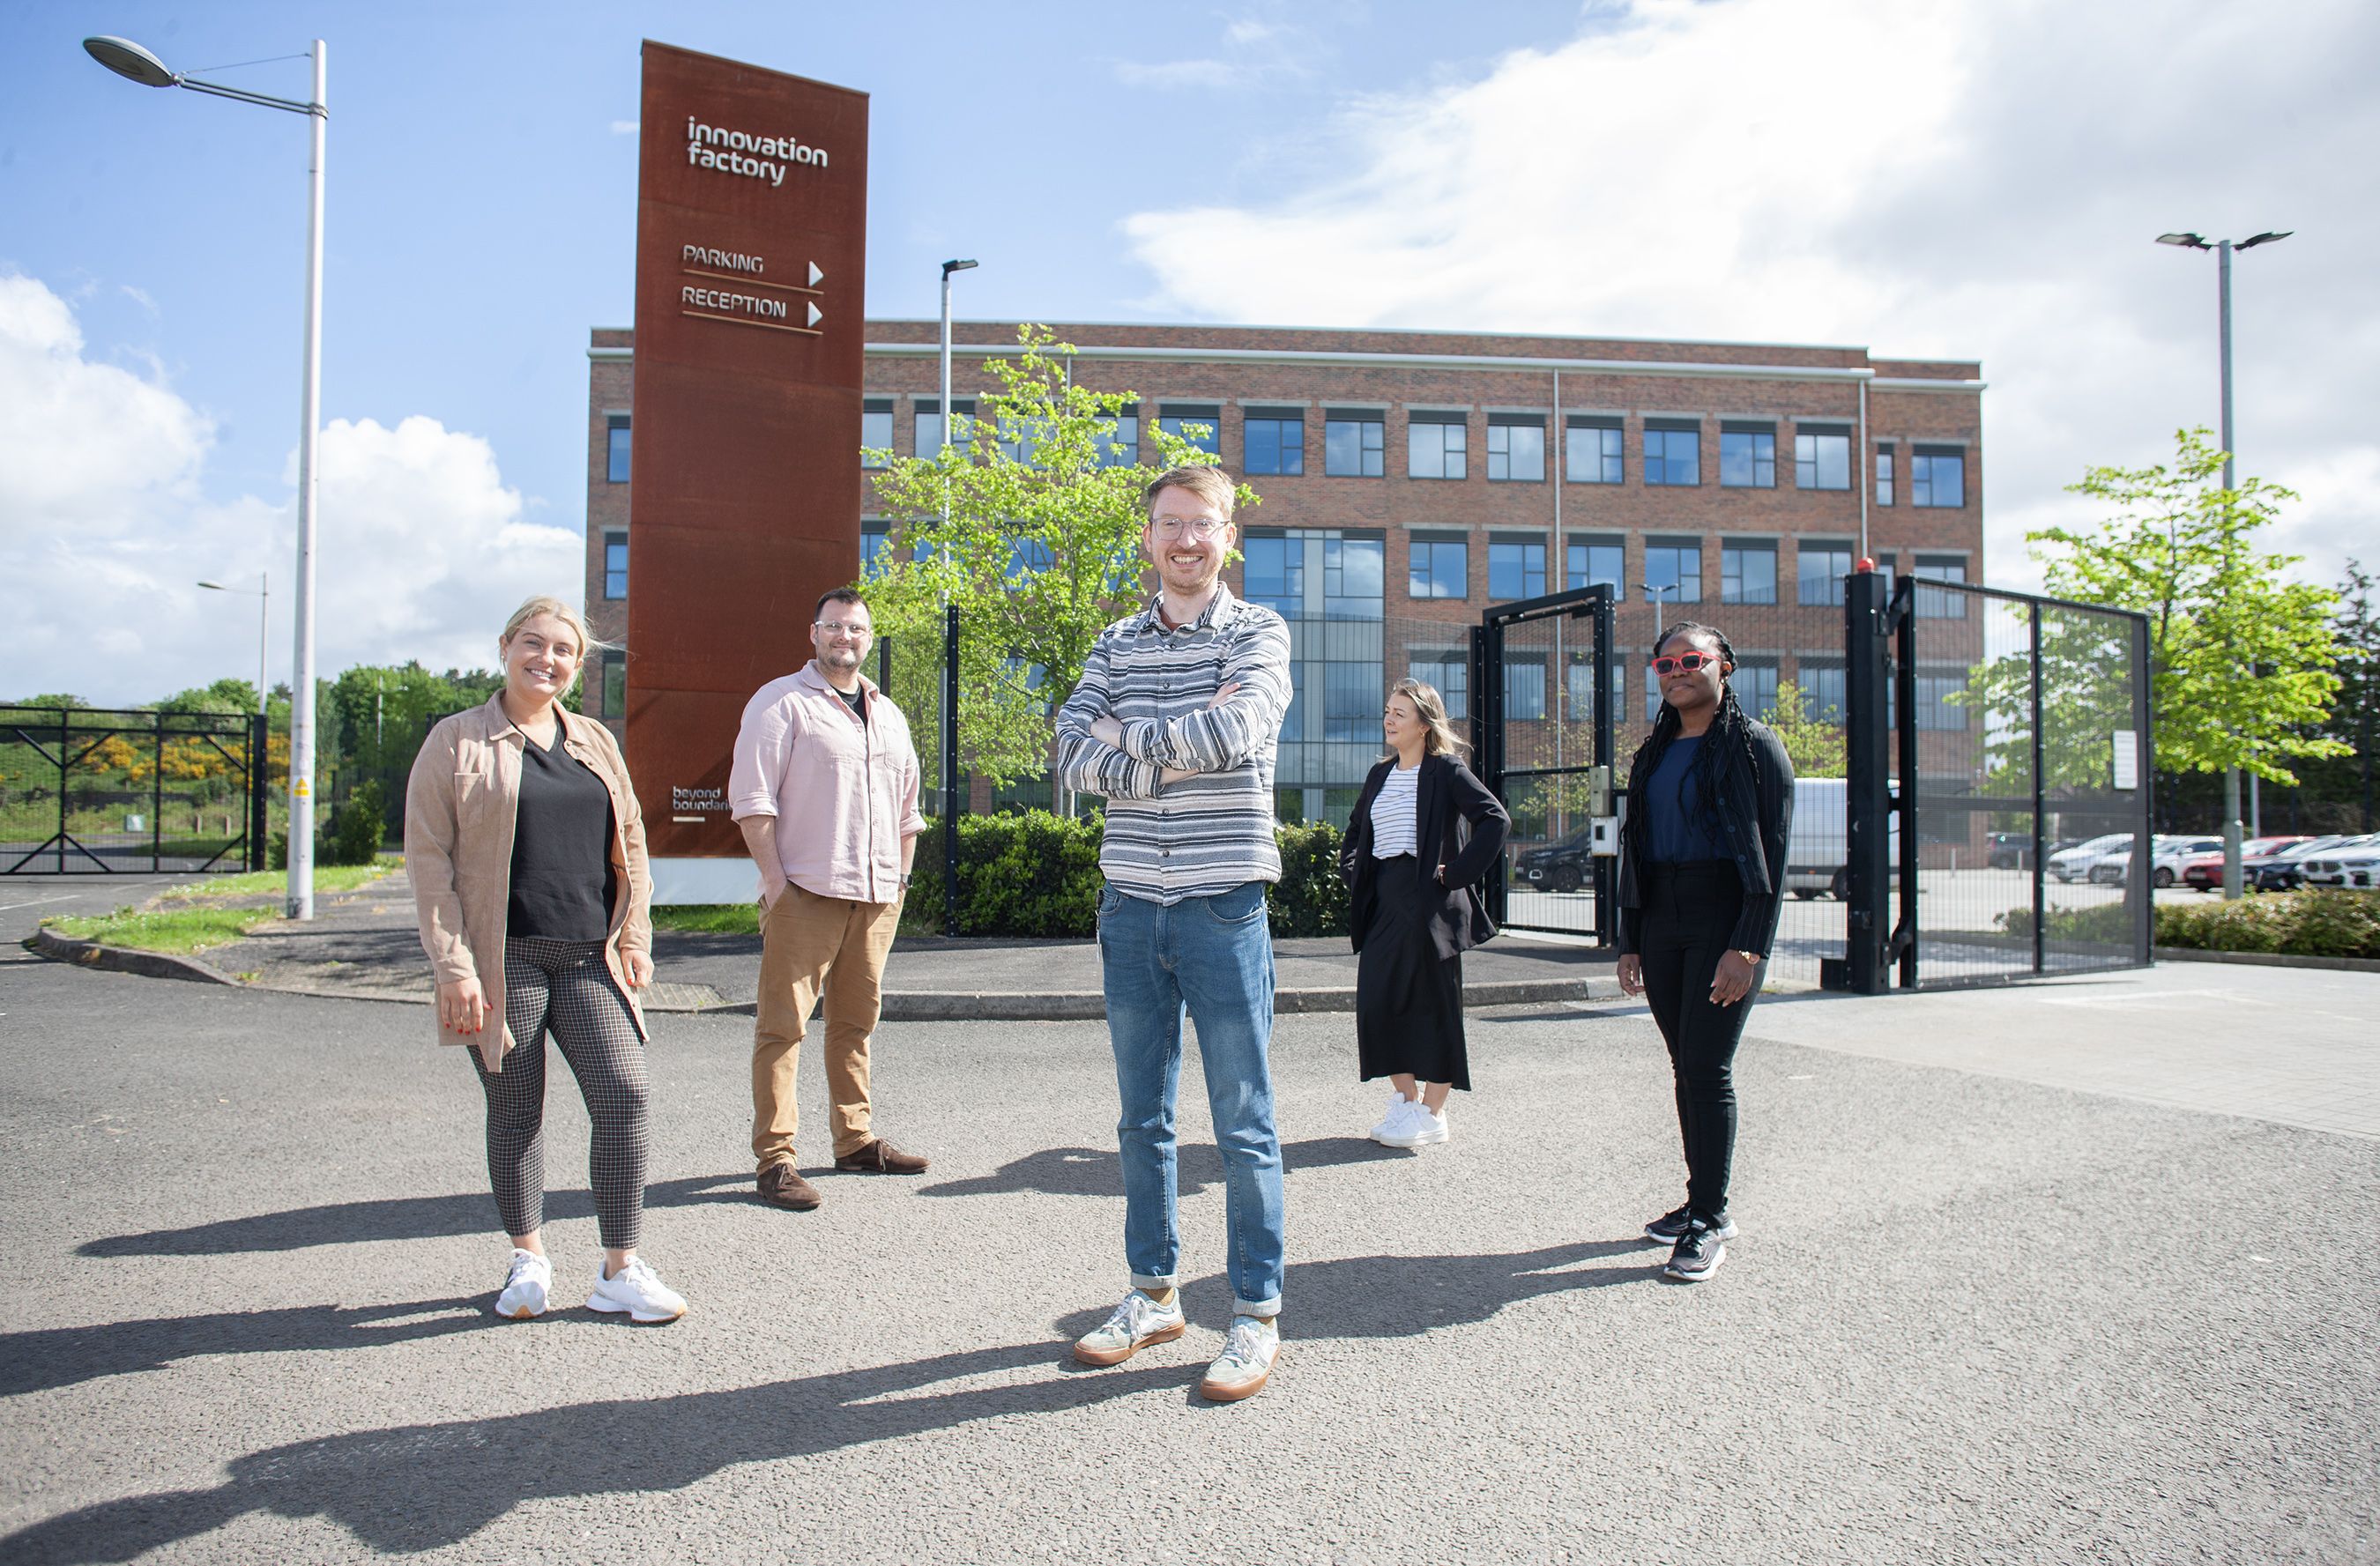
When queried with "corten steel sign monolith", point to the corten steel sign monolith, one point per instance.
{"points": [[743, 480]]}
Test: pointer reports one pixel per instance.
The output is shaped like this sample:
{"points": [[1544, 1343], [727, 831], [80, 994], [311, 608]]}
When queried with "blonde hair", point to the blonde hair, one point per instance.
{"points": [[544, 603], [1438, 737], [1204, 480]]}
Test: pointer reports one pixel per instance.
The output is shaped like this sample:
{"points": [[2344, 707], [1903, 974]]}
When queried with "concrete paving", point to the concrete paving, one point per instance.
{"points": [[1971, 1316]]}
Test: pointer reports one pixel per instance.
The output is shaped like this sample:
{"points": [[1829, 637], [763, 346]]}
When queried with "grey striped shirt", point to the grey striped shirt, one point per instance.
{"points": [[1205, 834]]}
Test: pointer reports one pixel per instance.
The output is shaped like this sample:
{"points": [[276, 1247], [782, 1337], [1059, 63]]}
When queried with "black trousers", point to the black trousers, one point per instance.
{"points": [[1690, 914]]}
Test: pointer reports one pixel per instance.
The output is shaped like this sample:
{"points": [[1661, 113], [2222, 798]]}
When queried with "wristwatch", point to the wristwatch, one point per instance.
{"points": [[904, 882], [1753, 957]]}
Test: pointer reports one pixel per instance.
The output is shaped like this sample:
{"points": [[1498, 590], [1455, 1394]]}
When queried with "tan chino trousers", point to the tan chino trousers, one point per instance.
{"points": [[813, 946]]}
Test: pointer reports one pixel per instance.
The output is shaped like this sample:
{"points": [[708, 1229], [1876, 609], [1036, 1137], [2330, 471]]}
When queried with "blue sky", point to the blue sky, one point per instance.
{"points": [[1975, 178]]}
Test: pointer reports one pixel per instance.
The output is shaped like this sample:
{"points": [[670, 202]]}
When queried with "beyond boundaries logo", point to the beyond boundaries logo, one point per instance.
{"points": [[740, 152]]}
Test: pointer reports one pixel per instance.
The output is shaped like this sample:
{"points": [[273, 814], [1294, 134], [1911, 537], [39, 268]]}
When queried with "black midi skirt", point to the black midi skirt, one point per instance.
{"points": [[1408, 998]]}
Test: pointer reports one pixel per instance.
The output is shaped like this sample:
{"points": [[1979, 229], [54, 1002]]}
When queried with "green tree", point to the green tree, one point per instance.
{"points": [[2355, 717], [2244, 661], [1812, 741], [1031, 525]]}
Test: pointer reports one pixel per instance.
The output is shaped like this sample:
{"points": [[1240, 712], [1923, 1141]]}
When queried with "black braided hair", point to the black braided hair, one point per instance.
{"points": [[1729, 729]]}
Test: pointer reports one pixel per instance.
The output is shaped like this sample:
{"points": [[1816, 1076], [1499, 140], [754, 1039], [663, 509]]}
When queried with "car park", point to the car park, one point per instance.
{"points": [[2164, 862], [2285, 872], [2116, 867], [2204, 871], [2351, 865], [2074, 864], [1564, 865], [2010, 851]]}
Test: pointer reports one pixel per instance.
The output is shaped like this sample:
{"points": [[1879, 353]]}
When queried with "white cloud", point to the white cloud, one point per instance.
{"points": [[624, 127], [1976, 180], [422, 549]]}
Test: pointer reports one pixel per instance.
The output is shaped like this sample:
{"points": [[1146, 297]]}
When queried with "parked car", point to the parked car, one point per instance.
{"points": [[1562, 866], [2204, 871], [2074, 864], [1820, 856], [2116, 869], [2285, 872], [2356, 865], [2164, 864], [2010, 851]]}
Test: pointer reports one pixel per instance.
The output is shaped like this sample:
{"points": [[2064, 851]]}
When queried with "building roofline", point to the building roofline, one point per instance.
{"points": [[1649, 367], [936, 321]]}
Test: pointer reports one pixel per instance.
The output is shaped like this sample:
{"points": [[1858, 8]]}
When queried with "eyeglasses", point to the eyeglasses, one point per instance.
{"points": [[1195, 526], [1686, 662], [837, 627]]}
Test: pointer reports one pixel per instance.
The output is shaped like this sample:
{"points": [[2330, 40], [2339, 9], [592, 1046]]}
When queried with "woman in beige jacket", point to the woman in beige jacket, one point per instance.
{"points": [[527, 854]]}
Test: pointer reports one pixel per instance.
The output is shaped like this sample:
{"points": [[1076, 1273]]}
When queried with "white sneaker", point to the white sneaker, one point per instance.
{"points": [[1129, 1328], [1429, 1126], [1392, 1124], [1240, 1371], [526, 1287], [639, 1291]]}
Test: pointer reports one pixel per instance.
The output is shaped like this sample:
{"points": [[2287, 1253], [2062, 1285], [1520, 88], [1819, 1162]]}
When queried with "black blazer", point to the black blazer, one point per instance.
{"points": [[1461, 826], [1755, 809]]}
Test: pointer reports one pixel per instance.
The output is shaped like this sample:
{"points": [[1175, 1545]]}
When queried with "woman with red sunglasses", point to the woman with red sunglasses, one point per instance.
{"points": [[1702, 863]]}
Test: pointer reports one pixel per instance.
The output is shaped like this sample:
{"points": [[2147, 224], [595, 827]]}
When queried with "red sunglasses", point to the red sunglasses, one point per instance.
{"points": [[1687, 661]]}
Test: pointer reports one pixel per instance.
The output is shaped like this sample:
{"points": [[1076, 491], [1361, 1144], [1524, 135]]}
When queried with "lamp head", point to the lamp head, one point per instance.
{"points": [[2266, 239], [2191, 241], [130, 61], [217, 586], [951, 266]]}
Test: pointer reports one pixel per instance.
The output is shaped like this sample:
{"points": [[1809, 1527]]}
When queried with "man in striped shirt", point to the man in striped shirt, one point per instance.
{"points": [[1177, 721]]}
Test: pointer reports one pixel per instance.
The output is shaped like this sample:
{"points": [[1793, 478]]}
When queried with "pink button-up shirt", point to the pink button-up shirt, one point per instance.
{"points": [[845, 791]]}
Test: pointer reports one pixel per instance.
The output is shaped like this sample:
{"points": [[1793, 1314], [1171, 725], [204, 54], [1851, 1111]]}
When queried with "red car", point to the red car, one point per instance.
{"points": [[2206, 871]]}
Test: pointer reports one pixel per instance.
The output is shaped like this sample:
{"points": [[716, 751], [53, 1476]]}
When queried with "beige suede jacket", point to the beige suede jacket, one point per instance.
{"points": [[458, 853]]}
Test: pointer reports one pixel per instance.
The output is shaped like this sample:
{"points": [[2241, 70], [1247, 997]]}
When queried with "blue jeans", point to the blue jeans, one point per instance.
{"points": [[1213, 955]]}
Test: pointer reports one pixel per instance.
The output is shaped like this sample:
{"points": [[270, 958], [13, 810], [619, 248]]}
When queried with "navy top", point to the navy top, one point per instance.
{"points": [[563, 882], [1680, 830]]}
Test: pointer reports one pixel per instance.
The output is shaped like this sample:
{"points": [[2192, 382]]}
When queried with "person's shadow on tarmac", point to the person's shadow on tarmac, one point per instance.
{"points": [[419, 1487]]}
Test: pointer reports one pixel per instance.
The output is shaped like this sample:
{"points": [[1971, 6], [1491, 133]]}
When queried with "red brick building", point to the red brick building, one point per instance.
{"points": [[1410, 479]]}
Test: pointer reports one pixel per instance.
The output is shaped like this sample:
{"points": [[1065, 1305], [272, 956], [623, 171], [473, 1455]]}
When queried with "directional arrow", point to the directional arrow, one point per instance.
{"points": [[815, 275], [814, 316]]}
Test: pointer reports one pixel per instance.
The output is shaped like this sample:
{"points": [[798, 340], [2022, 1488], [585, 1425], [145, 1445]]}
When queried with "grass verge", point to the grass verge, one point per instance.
{"points": [[327, 877], [177, 931], [709, 918]]}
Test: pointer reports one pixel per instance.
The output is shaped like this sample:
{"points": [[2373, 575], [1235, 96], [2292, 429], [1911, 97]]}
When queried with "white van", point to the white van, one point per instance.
{"points": [[1818, 859]]}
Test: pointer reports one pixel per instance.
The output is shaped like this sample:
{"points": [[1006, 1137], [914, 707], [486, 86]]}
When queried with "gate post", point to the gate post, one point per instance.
{"points": [[950, 770], [1487, 732], [259, 758], [1607, 925], [1867, 809]]}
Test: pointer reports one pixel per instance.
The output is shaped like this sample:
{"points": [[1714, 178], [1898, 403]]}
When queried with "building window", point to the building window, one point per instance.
{"points": [[1119, 439], [1823, 568], [616, 563], [1824, 698], [1355, 579], [1354, 445], [1351, 701], [1438, 566], [615, 436], [1754, 683], [1673, 453], [1275, 572], [1449, 670], [929, 425], [1933, 603], [1516, 448], [1201, 424], [1652, 693], [1940, 704], [1822, 460], [1747, 573], [1435, 445], [875, 431], [1350, 571], [1747, 457], [616, 683], [1594, 453], [874, 541], [1591, 560], [1937, 477], [1883, 474], [1674, 571], [1524, 688], [1273, 441], [1019, 438], [1516, 568], [1578, 687]]}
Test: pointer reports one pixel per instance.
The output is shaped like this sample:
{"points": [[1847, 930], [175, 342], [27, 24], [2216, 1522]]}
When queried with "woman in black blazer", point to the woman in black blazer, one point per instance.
{"points": [[1423, 834]]}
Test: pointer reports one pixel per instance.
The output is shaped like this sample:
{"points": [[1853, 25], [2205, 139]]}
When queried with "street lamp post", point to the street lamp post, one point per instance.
{"points": [[2223, 249], [263, 609], [1655, 593], [134, 62], [950, 704]]}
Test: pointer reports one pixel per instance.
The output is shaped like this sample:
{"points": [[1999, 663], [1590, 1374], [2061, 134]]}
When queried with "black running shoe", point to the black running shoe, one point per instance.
{"points": [[1671, 1227], [1699, 1253]]}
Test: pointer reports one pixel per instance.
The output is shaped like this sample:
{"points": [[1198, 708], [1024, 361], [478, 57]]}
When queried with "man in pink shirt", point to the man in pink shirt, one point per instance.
{"points": [[825, 787]]}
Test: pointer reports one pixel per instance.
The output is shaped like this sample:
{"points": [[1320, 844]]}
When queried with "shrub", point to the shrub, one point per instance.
{"points": [[1309, 899], [360, 827], [2318, 923]]}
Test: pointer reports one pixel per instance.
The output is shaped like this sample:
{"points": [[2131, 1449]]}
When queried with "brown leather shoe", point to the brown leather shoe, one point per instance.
{"points": [[881, 1157], [782, 1185]]}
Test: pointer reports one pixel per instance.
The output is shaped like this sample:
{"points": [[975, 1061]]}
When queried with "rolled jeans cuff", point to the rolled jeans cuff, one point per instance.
{"points": [[1155, 1281], [1266, 1308]]}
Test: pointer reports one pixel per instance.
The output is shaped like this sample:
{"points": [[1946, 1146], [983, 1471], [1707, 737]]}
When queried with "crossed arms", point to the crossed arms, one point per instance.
{"points": [[1134, 758]]}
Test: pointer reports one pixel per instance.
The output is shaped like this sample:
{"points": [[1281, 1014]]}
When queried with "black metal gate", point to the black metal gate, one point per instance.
{"points": [[1542, 698], [1998, 796], [103, 791]]}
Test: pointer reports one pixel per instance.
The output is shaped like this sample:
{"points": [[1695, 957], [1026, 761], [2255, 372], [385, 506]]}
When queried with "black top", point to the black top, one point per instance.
{"points": [[1447, 796], [856, 698], [1680, 831], [562, 880], [1755, 820]]}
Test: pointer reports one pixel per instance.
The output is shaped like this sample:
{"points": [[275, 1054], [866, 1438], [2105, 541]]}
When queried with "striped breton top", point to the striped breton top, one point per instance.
{"points": [[1205, 834], [1396, 812]]}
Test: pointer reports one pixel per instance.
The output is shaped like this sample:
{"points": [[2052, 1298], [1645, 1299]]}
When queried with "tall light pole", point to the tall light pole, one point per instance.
{"points": [[134, 62], [1654, 594], [949, 267], [950, 706], [264, 607], [2223, 249]]}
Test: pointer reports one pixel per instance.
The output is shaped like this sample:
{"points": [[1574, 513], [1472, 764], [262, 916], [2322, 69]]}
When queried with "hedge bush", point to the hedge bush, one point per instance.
{"points": [[360, 826], [1036, 874], [2315, 923]]}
